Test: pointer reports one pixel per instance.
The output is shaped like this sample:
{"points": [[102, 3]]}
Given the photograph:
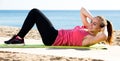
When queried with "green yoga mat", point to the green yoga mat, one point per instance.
{"points": [[53, 47]]}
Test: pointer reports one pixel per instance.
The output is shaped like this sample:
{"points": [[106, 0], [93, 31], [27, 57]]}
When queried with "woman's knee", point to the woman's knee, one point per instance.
{"points": [[35, 10]]}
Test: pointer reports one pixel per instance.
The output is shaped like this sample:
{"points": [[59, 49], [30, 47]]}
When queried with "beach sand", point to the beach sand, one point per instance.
{"points": [[17, 56], [6, 31]]}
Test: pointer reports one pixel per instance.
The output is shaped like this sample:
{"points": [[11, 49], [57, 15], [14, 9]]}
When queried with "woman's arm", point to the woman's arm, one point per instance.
{"points": [[90, 40], [84, 15]]}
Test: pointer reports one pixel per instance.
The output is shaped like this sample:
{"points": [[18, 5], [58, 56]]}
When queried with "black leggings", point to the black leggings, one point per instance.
{"points": [[44, 26]]}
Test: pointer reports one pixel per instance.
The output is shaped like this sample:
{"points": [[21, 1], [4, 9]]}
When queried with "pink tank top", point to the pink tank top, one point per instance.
{"points": [[73, 37]]}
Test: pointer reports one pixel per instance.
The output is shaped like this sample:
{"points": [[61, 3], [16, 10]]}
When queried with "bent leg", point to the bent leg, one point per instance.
{"points": [[28, 24], [46, 29]]}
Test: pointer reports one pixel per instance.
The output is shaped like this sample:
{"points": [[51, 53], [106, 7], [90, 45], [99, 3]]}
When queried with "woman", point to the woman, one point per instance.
{"points": [[86, 35]]}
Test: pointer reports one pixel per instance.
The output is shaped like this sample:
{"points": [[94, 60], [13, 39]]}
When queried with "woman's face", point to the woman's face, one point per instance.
{"points": [[94, 25]]}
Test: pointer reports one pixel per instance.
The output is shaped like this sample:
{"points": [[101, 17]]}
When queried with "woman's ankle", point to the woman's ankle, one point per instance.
{"points": [[18, 37]]}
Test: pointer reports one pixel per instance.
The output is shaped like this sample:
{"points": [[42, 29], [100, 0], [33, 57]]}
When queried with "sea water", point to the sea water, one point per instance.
{"points": [[61, 19]]}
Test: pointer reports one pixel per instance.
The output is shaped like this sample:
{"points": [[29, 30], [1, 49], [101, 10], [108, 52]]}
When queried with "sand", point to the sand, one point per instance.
{"points": [[17, 56], [7, 32]]}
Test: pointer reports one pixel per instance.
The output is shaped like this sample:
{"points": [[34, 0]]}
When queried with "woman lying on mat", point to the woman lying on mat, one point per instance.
{"points": [[98, 30]]}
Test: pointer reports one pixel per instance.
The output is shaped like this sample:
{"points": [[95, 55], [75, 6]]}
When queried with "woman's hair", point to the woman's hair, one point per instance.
{"points": [[110, 32], [109, 29]]}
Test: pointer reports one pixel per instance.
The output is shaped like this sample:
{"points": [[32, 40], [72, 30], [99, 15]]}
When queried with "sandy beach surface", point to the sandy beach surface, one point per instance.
{"points": [[44, 54]]}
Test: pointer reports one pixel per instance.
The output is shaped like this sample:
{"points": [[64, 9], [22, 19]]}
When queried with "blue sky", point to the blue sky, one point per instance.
{"points": [[59, 4]]}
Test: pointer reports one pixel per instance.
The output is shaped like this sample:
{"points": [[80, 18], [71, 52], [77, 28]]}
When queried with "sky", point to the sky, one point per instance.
{"points": [[59, 4]]}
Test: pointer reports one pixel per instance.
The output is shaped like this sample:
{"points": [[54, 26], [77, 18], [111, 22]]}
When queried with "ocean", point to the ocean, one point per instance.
{"points": [[61, 19]]}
